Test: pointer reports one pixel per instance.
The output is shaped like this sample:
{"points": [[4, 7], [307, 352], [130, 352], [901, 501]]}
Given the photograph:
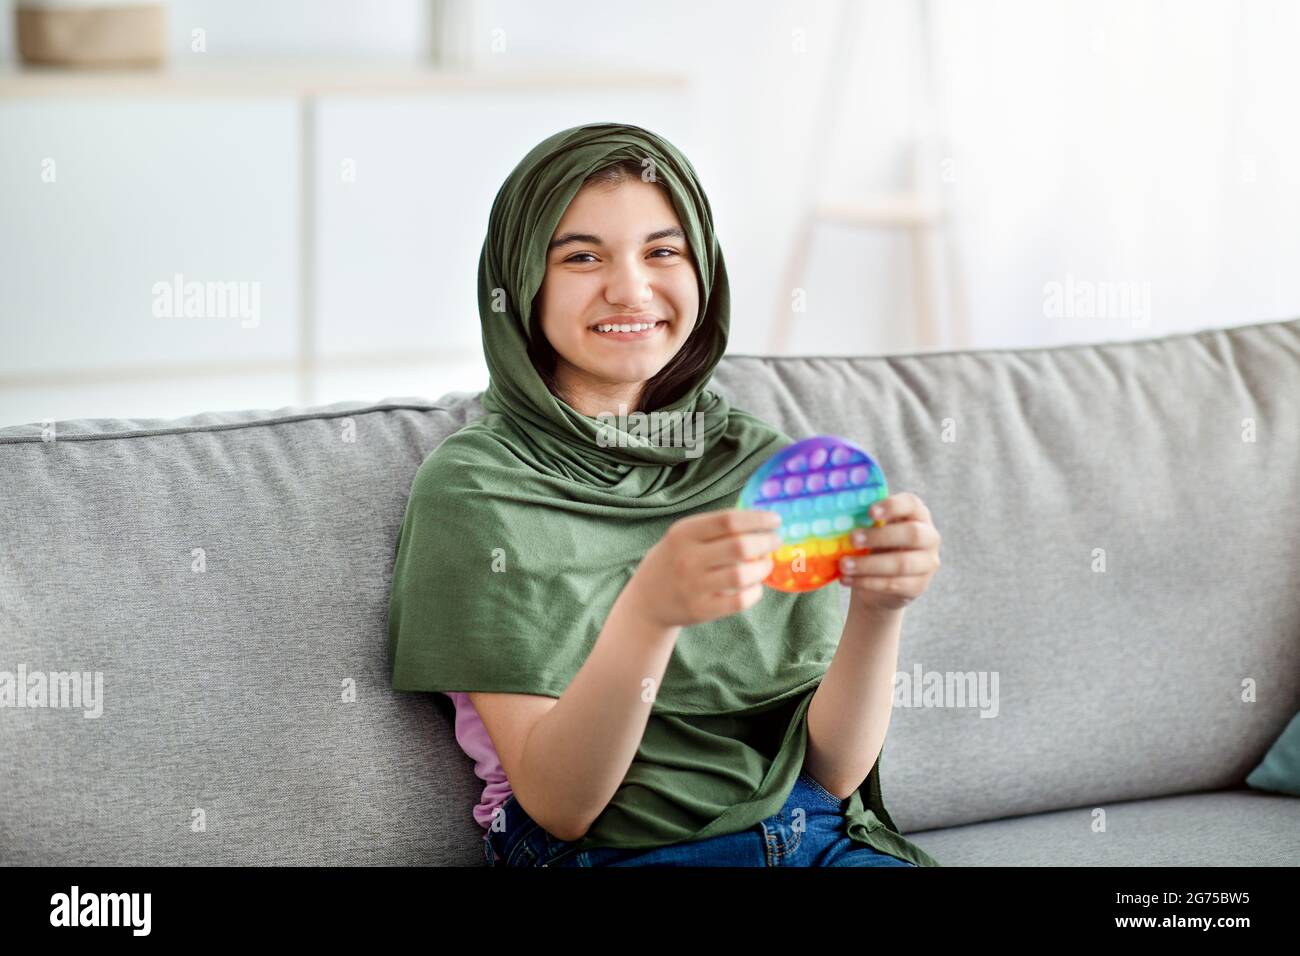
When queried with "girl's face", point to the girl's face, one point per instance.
{"points": [[619, 256]]}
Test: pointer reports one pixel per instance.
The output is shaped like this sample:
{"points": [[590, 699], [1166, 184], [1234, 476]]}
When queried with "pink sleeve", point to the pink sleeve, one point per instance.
{"points": [[474, 740]]}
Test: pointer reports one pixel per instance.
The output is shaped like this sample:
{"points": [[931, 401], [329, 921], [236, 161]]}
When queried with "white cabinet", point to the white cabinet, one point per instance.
{"points": [[350, 207], [105, 198]]}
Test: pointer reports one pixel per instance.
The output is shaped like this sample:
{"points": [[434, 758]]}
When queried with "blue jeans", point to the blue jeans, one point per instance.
{"points": [[815, 838]]}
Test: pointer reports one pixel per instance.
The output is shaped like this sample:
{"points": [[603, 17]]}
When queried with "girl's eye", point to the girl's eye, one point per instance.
{"points": [[668, 249]]}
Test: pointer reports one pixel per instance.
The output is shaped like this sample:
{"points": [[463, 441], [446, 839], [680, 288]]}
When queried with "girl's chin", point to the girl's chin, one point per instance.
{"points": [[626, 372], [627, 376]]}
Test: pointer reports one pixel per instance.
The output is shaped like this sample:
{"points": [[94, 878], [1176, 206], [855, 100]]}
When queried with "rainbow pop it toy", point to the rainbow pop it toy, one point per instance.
{"points": [[822, 487]]}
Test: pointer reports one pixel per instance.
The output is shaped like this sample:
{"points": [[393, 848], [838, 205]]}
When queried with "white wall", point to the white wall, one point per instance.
{"points": [[1141, 142], [1146, 143], [1130, 141]]}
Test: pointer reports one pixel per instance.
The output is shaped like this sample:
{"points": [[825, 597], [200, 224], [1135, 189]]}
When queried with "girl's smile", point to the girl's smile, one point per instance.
{"points": [[629, 328]]}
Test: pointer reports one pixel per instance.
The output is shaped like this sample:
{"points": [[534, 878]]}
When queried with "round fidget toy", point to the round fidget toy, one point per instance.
{"points": [[823, 488]]}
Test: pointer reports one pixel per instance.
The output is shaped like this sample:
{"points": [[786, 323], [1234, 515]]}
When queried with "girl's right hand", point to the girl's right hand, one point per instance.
{"points": [[707, 566]]}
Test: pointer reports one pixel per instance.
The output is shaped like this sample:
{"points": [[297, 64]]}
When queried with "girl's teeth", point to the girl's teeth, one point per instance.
{"points": [[638, 327]]}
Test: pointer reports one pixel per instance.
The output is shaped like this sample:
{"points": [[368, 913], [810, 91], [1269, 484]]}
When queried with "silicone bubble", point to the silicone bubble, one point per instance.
{"points": [[822, 487]]}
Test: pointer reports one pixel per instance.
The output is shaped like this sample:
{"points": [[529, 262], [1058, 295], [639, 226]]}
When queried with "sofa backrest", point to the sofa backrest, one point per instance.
{"points": [[1121, 536], [1121, 549]]}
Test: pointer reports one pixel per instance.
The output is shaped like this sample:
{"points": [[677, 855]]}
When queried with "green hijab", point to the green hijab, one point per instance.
{"points": [[524, 526]]}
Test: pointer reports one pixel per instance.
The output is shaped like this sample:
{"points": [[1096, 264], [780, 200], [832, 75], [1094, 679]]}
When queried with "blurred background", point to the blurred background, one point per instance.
{"points": [[887, 176]]}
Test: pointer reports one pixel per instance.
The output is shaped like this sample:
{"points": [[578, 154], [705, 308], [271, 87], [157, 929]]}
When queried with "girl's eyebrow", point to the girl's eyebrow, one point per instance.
{"points": [[672, 232]]}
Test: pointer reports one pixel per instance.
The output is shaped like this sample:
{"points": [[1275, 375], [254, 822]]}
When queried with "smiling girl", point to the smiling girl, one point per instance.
{"points": [[598, 605]]}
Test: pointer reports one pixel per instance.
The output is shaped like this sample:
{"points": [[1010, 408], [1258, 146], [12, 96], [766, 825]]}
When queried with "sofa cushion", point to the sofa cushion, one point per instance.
{"points": [[226, 690], [1225, 828]]}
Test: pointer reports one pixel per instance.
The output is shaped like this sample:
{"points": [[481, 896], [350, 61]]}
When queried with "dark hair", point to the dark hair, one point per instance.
{"points": [[670, 382]]}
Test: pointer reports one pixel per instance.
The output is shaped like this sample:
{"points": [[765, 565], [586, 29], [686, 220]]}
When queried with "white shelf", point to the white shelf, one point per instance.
{"points": [[280, 77]]}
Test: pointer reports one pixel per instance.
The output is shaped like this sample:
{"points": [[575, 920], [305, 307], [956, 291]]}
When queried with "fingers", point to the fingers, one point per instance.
{"points": [[911, 586], [722, 552], [906, 534], [736, 577], [730, 521], [729, 602], [890, 564], [900, 507], [905, 546], [731, 536]]}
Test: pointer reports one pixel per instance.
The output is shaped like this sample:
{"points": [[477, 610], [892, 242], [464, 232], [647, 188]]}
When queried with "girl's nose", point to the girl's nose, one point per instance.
{"points": [[628, 285]]}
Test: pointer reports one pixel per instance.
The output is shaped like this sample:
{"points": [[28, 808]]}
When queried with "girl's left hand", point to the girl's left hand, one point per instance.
{"points": [[904, 555]]}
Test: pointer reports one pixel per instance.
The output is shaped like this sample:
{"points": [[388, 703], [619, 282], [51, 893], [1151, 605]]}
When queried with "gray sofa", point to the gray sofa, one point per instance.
{"points": [[1121, 533]]}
